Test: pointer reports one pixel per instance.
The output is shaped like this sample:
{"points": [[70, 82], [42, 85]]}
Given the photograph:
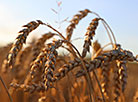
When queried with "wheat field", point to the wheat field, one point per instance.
{"points": [[39, 73]]}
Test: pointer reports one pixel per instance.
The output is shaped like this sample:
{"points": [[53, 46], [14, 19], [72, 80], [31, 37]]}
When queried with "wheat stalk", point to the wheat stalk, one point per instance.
{"points": [[11, 100]]}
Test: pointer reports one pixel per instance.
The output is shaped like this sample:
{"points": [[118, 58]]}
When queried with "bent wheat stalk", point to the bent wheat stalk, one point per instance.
{"points": [[106, 26]]}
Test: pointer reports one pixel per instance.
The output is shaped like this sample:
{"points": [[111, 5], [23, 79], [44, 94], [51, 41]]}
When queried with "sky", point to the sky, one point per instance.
{"points": [[121, 15]]}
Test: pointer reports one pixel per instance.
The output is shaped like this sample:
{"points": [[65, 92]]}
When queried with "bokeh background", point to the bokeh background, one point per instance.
{"points": [[121, 15]]}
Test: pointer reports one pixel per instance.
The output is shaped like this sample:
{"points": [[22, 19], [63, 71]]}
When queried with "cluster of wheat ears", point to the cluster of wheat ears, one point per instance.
{"points": [[39, 70]]}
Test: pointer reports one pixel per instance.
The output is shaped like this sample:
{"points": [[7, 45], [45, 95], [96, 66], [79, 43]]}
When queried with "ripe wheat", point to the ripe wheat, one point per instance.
{"points": [[46, 70]]}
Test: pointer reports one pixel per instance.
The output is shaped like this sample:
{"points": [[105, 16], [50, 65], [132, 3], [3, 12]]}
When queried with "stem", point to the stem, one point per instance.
{"points": [[55, 30], [99, 85], [110, 30], [6, 89], [105, 24]]}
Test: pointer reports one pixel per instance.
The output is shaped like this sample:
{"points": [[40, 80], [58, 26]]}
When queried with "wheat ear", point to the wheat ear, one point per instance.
{"points": [[122, 55], [120, 79], [75, 20], [117, 83], [29, 88], [20, 40], [89, 36], [105, 79], [123, 74], [50, 63]]}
